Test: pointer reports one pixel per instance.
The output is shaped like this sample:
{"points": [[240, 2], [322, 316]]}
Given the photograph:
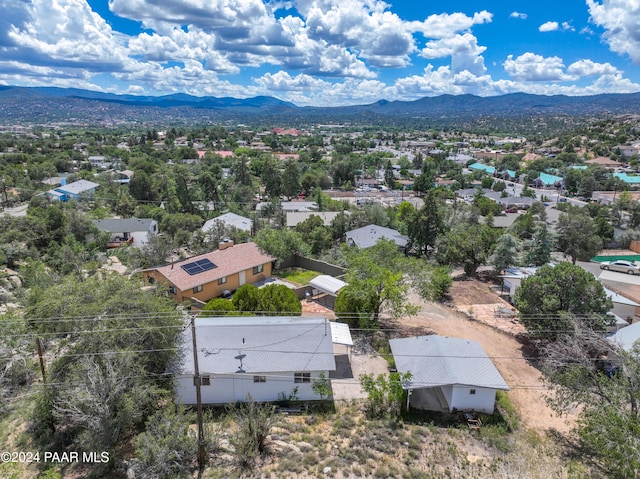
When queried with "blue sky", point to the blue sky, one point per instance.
{"points": [[323, 52]]}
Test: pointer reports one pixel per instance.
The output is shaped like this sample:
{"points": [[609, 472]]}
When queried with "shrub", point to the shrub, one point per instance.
{"points": [[218, 307], [277, 298], [166, 449], [246, 298], [254, 422]]}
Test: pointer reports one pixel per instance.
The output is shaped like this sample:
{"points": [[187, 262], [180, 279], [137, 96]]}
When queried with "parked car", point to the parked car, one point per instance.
{"points": [[621, 265]]}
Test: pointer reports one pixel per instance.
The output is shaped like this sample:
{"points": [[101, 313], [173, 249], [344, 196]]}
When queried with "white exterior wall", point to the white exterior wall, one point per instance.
{"points": [[140, 238], [235, 387], [512, 284], [447, 391], [482, 401]]}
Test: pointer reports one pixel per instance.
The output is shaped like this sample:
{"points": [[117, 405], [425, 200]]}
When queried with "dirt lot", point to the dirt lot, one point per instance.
{"points": [[527, 389]]}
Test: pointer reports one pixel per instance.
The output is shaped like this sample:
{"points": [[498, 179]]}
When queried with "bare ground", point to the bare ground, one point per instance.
{"points": [[528, 391]]}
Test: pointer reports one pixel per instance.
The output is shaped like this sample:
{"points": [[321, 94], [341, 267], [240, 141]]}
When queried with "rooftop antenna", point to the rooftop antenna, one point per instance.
{"points": [[240, 357]]}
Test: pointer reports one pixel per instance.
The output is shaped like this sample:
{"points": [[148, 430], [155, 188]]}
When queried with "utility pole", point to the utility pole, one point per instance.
{"points": [[52, 426], [4, 189], [39, 346], [198, 380]]}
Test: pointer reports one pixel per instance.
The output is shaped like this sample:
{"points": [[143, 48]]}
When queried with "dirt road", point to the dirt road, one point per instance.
{"points": [[527, 389]]}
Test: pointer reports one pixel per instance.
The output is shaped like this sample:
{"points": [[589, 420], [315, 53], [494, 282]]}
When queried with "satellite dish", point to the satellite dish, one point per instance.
{"points": [[240, 357]]}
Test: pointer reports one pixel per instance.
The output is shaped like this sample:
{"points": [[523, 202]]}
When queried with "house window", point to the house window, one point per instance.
{"points": [[258, 269], [222, 280], [259, 379], [302, 378], [173, 290], [472, 391], [204, 381], [197, 289]]}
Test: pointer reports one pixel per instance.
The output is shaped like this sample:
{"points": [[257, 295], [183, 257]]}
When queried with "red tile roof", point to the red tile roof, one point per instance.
{"points": [[229, 261]]}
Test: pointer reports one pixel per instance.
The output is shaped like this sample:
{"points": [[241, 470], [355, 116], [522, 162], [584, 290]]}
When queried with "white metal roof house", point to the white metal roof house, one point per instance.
{"points": [[135, 231], [265, 357], [448, 374], [230, 219], [74, 191]]}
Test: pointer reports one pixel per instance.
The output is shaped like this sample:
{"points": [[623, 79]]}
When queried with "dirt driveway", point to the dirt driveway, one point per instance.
{"points": [[527, 389]]}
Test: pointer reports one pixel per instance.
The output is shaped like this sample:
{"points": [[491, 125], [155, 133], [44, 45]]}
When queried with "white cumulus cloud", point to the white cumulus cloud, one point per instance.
{"points": [[447, 24], [549, 27], [620, 20], [584, 68], [518, 15], [463, 49], [533, 67]]}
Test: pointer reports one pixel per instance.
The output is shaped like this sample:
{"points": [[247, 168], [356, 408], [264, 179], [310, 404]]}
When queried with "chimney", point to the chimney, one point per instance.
{"points": [[224, 244]]}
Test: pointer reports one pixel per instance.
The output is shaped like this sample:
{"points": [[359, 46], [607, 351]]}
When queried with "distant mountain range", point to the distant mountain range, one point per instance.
{"points": [[50, 104]]}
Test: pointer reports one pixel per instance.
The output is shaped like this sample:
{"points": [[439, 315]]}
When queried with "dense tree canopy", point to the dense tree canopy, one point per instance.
{"points": [[585, 368], [548, 299], [282, 243], [113, 340], [577, 235]]}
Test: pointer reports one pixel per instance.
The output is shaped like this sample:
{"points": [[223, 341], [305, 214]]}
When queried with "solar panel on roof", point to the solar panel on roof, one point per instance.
{"points": [[198, 266]]}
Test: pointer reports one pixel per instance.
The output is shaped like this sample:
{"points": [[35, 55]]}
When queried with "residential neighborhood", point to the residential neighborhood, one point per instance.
{"points": [[432, 278]]}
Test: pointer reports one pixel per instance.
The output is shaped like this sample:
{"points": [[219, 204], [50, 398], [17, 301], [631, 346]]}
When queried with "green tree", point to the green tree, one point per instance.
{"points": [[528, 192], [177, 224], [282, 244], [538, 249], [425, 225], [486, 182], [388, 175], [103, 375], [505, 253], [549, 299], [322, 386], [431, 283], [320, 239], [577, 236], [276, 299], [353, 307], [466, 245], [291, 178], [272, 178], [376, 277], [385, 394], [141, 187]]}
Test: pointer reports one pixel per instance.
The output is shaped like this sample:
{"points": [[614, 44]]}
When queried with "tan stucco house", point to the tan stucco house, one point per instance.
{"points": [[209, 275]]}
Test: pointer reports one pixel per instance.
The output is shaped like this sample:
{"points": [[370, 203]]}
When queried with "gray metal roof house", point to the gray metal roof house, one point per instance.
{"points": [[264, 356], [367, 236], [447, 374], [134, 231]]}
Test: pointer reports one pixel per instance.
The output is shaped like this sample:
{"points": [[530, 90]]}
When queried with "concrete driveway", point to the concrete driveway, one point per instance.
{"points": [[350, 364]]}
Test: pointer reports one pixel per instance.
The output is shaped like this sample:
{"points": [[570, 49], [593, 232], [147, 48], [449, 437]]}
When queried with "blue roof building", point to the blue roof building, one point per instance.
{"points": [[549, 180], [482, 167], [634, 180]]}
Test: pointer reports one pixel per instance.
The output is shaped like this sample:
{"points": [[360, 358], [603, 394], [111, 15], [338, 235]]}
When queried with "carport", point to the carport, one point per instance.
{"points": [[326, 288]]}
